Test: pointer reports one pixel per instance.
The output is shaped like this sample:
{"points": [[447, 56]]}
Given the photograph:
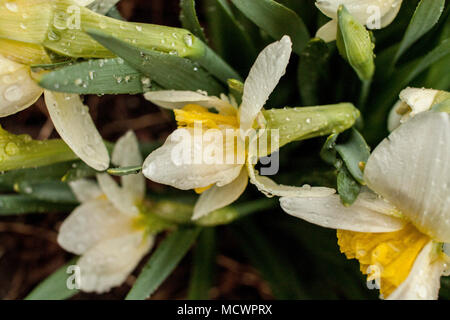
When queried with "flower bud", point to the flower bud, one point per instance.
{"points": [[302, 123], [60, 25], [355, 44], [414, 101], [20, 151]]}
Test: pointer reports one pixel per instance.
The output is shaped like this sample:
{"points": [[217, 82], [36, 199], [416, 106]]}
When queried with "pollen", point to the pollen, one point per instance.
{"points": [[386, 257], [201, 190], [192, 113]]}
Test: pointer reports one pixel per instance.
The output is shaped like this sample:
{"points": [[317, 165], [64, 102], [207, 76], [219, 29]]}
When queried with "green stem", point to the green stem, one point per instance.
{"points": [[365, 91]]}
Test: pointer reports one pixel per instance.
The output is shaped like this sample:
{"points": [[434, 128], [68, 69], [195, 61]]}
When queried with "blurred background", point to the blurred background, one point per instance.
{"points": [[265, 256]]}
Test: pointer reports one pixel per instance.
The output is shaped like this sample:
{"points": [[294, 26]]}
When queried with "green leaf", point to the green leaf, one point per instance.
{"points": [[355, 152], [311, 69], [79, 170], [221, 20], [102, 6], [189, 20], [12, 204], [101, 76], [274, 267], [162, 262], [203, 266], [328, 151], [276, 19], [438, 77], [51, 191], [170, 71], [123, 171], [40, 174], [347, 187], [21, 151], [54, 287], [425, 17]]}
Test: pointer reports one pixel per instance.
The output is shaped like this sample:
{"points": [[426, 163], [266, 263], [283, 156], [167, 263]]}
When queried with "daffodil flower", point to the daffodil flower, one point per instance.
{"points": [[221, 182], [412, 102], [396, 229], [374, 14], [69, 115], [108, 228]]}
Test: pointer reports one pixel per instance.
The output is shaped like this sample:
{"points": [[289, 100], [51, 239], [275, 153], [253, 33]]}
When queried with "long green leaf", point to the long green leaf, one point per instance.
{"points": [[55, 286], [274, 267], [221, 20], [189, 20], [52, 172], [425, 17], [162, 262], [170, 71], [102, 76], [311, 69], [12, 204], [203, 266], [276, 19], [51, 191]]}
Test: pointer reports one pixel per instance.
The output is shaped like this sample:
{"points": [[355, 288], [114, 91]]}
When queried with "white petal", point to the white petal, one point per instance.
{"points": [[394, 118], [84, 2], [173, 99], [110, 262], [264, 76], [423, 281], [390, 15], [361, 10], [126, 153], [270, 188], [328, 31], [75, 126], [85, 189], [18, 90], [370, 200], [121, 198], [90, 223], [411, 169], [419, 100], [219, 197], [180, 162], [329, 212]]}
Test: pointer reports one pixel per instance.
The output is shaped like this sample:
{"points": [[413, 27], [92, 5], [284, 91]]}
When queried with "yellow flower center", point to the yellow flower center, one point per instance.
{"points": [[193, 113], [385, 257]]}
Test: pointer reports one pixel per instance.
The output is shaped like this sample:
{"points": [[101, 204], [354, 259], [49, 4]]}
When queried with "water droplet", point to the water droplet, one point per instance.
{"points": [[11, 149], [188, 40], [53, 36], [13, 93], [11, 6]]}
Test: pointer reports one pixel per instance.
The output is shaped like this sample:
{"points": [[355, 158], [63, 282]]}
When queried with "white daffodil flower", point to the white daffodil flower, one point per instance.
{"points": [[397, 230], [69, 115], [107, 229], [374, 14], [412, 102], [182, 161]]}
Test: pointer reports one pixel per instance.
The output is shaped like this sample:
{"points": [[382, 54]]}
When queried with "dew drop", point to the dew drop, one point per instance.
{"points": [[13, 93]]}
